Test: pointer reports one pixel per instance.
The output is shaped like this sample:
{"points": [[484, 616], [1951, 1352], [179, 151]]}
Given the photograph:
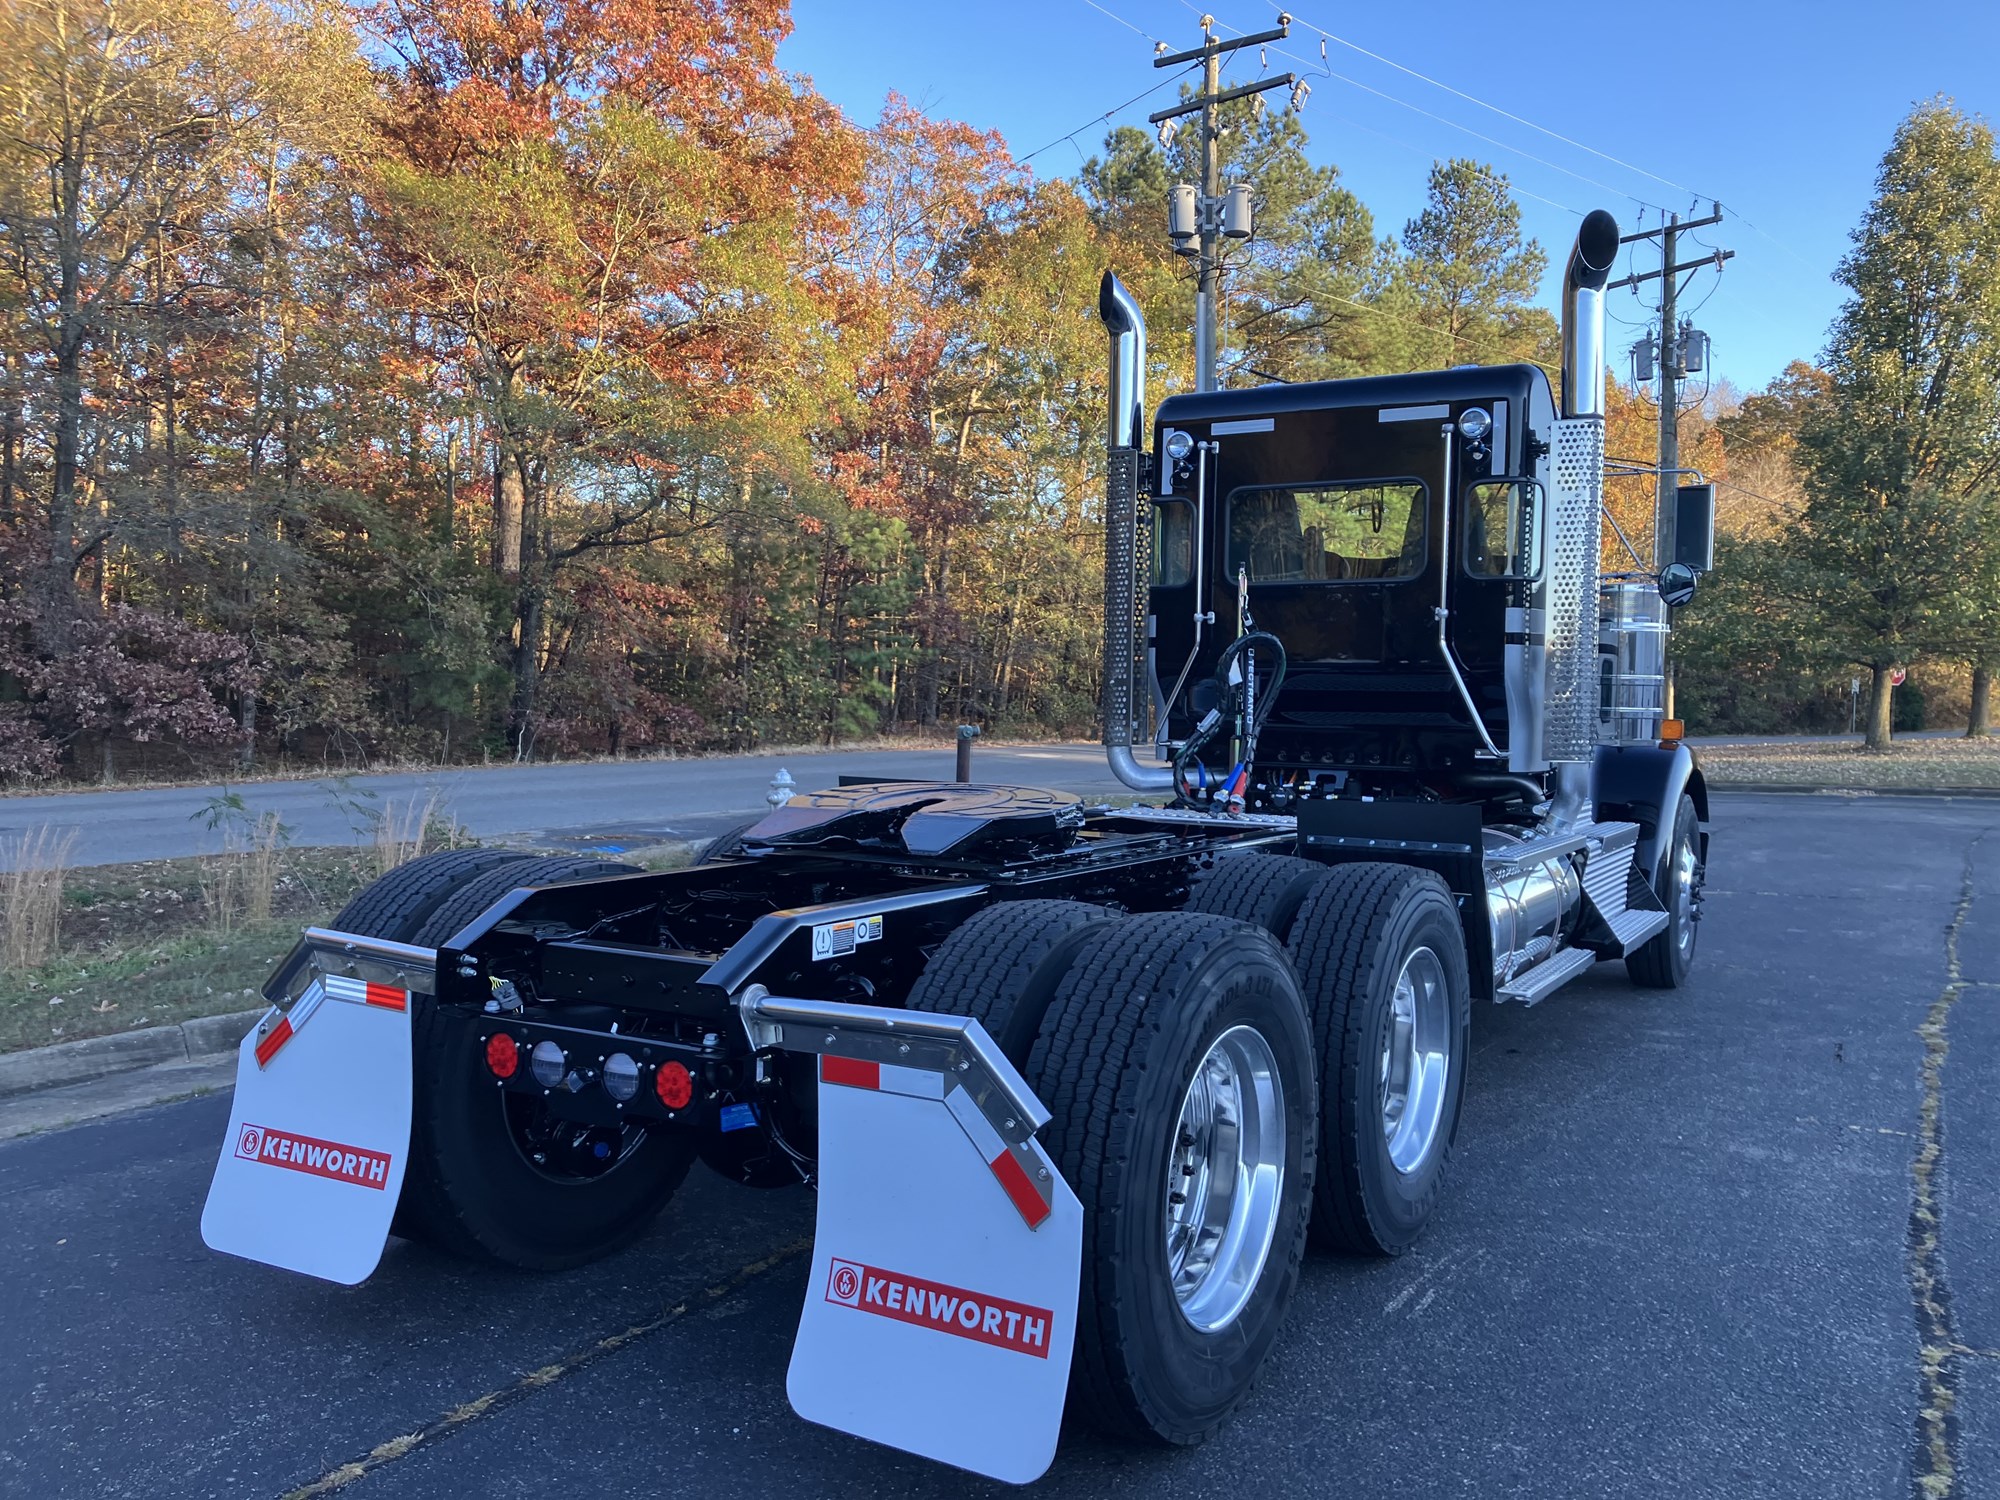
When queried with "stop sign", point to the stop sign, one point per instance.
{"points": [[1896, 676]]}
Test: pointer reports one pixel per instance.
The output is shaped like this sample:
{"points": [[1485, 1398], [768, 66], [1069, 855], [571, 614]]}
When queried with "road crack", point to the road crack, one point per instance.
{"points": [[463, 1415], [1939, 1352]]}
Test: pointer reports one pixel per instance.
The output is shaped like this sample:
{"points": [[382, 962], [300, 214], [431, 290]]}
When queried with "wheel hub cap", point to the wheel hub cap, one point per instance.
{"points": [[1225, 1178], [1416, 1061]]}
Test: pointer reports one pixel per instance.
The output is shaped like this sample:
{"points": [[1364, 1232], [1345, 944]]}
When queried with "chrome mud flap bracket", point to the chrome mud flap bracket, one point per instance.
{"points": [[319, 1129], [940, 1314]]}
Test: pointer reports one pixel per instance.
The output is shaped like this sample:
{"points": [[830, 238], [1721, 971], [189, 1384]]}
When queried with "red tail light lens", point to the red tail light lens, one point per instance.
{"points": [[503, 1055], [674, 1084]]}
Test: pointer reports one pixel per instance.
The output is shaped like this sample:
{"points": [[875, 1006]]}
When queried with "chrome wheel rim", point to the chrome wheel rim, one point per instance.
{"points": [[1684, 897], [1416, 1061], [1225, 1178]]}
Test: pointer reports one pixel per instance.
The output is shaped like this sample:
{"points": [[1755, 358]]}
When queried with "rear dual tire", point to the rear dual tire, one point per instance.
{"points": [[474, 1186], [1172, 1050]]}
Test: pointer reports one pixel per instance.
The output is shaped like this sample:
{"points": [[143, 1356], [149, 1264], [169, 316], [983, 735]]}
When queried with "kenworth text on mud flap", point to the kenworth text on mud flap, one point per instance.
{"points": [[1075, 1085]]}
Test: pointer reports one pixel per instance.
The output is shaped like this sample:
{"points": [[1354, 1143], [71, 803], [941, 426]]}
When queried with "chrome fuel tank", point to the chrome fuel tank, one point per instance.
{"points": [[1527, 906]]}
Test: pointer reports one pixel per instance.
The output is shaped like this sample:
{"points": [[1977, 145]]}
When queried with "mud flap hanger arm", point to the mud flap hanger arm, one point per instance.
{"points": [[321, 951], [947, 1058]]}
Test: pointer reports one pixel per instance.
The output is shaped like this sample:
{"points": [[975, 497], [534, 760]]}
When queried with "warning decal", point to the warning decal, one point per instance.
{"points": [[836, 939], [945, 1309]]}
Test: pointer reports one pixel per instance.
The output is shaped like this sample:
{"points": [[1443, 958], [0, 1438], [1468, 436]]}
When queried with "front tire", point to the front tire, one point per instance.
{"points": [[1381, 962], [1663, 960], [1176, 1060]]}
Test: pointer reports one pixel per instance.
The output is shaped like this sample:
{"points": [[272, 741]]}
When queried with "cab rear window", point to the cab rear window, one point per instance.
{"points": [[1352, 532]]}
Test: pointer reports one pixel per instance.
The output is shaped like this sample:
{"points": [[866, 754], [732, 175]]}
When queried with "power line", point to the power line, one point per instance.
{"points": [[1108, 114], [1120, 20], [1325, 69], [1483, 104]]}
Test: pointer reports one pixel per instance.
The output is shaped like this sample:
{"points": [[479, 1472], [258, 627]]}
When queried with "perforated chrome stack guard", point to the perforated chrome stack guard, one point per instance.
{"points": [[1575, 500]]}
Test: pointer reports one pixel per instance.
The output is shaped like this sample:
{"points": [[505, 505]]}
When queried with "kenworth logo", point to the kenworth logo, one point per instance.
{"points": [[302, 1153], [946, 1309]]}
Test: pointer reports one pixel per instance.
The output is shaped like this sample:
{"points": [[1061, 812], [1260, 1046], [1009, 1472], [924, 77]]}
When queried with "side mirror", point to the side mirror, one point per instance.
{"points": [[1677, 581]]}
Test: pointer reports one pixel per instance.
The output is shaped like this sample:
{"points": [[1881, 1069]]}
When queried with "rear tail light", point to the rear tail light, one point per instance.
{"points": [[503, 1055], [674, 1085], [548, 1064], [621, 1076]]}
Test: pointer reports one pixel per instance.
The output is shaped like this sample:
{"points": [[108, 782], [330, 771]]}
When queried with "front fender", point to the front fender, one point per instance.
{"points": [[1644, 784]]}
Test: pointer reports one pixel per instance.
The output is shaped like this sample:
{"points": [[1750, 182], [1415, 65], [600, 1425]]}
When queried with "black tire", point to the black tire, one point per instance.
{"points": [[1265, 890], [1663, 961], [1001, 967], [470, 1188], [725, 845], [397, 905], [1130, 1023], [1349, 944]]}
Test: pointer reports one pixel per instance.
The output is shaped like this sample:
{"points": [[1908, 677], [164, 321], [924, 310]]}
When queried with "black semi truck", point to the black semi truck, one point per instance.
{"points": [[1076, 1085]]}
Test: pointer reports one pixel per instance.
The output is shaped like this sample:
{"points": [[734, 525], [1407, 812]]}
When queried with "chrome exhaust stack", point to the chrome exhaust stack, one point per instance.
{"points": [[1574, 616], [1583, 353], [1124, 610]]}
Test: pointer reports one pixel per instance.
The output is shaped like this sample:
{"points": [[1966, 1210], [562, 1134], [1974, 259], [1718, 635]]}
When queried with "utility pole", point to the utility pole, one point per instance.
{"points": [[1681, 351], [1209, 227], [1673, 360]]}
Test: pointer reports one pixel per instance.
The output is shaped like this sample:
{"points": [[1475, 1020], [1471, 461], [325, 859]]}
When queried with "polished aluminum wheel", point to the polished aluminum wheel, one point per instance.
{"points": [[1225, 1178], [1686, 894], [1416, 1061]]}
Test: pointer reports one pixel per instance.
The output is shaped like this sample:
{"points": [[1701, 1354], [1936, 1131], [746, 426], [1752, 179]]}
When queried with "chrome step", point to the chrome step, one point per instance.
{"points": [[1634, 927], [1542, 981]]}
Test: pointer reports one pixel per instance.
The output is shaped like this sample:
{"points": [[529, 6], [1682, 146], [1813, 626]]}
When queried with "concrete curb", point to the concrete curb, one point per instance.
{"points": [[99, 1056], [1793, 789]]}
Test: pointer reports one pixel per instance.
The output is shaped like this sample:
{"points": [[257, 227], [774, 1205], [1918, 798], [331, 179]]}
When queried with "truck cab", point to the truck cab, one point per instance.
{"points": [[1345, 515]]}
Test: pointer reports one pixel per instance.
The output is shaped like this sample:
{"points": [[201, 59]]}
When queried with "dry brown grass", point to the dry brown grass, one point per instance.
{"points": [[31, 895], [1907, 765], [417, 827]]}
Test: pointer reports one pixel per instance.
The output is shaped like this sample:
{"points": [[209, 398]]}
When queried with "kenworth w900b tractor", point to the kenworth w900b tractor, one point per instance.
{"points": [[1076, 1085]]}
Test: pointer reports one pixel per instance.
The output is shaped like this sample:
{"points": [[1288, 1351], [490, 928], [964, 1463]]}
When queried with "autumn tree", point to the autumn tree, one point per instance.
{"points": [[594, 206]]}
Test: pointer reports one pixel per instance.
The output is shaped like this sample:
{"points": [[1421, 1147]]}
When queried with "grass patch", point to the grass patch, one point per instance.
{"points": [[1905, 765], [155, 942]]}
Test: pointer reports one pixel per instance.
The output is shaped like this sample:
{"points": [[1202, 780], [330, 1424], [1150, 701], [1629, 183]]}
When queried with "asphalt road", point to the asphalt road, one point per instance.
{"points": [[1676, 1259], [598, 804]]}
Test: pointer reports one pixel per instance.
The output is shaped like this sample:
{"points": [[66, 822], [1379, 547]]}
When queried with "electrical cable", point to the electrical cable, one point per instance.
{"points": [[1104, 118], [1483, 104]]}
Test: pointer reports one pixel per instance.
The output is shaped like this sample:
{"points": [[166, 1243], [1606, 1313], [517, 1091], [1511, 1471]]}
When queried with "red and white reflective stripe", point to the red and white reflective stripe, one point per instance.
{"points": [[1008, 1164], [279, 1027], [884, 1078], [279, 1033], [366, 992]]}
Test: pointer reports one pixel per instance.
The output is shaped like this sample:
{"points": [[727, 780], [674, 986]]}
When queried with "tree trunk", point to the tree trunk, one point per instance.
{"points": [[510, 501], [1880, 692], [1981, 723], [527, 673], [510, 476]]}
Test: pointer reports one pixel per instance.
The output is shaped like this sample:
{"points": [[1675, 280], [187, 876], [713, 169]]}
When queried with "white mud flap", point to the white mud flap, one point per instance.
{"points": [[319, 1133], [941, 1311]]}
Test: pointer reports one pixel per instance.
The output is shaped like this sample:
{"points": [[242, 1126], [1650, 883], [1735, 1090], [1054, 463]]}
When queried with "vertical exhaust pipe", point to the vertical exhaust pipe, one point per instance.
{"points": [[1583, 359], [1124, 619], [1583, 354]]}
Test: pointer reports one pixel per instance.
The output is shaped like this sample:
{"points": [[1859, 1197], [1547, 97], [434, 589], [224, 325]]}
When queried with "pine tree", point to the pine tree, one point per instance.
{"points": [[1900, 458], [1467, 277]]}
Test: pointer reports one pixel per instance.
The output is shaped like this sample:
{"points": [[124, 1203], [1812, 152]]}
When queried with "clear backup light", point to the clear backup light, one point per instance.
{"points": [[1475, 422], [1179, 445], [548, 1064], [621, 1076]]}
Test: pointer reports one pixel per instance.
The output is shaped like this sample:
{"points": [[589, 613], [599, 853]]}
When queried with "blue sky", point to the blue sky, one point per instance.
{"points": [[1779, 108]]}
